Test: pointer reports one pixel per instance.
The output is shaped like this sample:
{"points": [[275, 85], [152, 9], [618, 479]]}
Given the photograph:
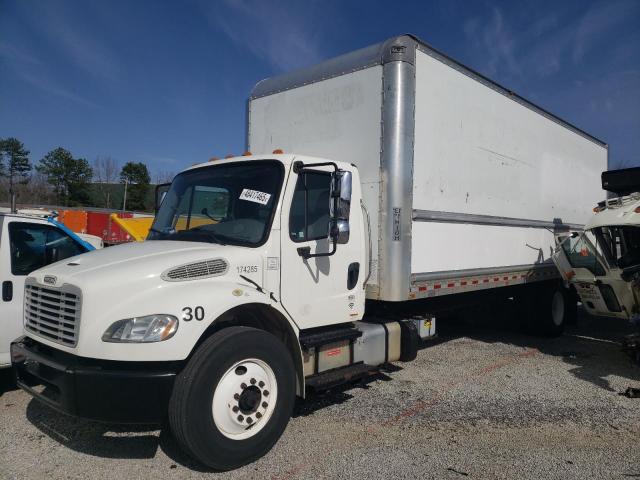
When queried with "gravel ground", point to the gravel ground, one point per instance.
{"points": [[480, 402]]}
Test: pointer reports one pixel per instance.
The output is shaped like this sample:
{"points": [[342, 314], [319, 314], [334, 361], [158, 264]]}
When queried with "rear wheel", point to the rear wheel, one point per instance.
{"points": [[234, 398]]}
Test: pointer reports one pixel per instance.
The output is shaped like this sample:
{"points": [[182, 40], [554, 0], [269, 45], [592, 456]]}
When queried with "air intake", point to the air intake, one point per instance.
{"points": [[196, 271]]}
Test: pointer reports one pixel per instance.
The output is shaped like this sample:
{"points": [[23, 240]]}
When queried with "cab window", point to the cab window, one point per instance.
{"points": [[309, 218], [581, 253], [33, 246]]}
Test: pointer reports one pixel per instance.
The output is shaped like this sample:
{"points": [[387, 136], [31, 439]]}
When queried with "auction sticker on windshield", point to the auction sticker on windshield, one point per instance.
{"points": [[255, 196]]}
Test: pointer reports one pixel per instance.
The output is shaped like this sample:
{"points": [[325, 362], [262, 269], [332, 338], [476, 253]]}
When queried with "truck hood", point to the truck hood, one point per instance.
{"points": [[123, 263]]}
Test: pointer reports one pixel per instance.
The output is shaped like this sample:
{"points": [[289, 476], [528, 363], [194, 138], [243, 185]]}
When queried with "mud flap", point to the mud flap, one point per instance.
{"points": [[409, 341]]}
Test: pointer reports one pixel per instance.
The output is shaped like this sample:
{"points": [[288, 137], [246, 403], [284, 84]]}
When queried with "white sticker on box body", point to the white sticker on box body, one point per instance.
{"points": [[255, 196]]}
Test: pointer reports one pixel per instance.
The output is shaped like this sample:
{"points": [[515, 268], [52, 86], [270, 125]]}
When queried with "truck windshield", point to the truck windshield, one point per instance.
{"points": [[581, 253], [620, 244], [231, 203]]}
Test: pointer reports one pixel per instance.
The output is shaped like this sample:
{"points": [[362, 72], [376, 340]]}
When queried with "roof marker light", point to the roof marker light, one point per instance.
{"points": [[229, 156], [247, 154], [213, 159], [278, 151]]}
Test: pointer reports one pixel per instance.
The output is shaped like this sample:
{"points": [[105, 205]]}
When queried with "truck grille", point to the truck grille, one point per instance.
{"points": [[52, 313]]}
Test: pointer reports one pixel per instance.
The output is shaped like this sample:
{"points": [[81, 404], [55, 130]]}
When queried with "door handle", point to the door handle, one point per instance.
{"points": [[7, 290], [352, 275]]}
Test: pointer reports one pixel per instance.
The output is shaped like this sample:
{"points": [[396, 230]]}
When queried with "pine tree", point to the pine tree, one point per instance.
{"points": [[14, 162], [69, 176]]}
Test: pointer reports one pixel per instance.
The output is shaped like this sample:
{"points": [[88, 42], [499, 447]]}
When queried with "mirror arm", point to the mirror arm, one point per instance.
{"points": [[305, 252], [299, 167]]}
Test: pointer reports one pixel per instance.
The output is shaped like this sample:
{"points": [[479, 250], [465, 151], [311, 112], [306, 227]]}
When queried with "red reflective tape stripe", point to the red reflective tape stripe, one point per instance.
{"points": [[463, 283], [437, 285], [495, 279], [334, 352], [486, 280], [505, 278], [449, 285], [422, 289], [514, 277], [474, 282]]}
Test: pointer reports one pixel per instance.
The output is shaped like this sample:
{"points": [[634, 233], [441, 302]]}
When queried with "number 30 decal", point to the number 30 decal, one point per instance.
{"points": [[189, 313]]}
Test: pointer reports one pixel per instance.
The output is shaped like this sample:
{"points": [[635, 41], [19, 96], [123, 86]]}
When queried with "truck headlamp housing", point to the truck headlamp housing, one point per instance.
{"points": [[146, 329]]}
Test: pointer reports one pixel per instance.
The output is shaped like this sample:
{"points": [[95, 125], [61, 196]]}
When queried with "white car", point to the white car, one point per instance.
{"points": [[27, 243]]}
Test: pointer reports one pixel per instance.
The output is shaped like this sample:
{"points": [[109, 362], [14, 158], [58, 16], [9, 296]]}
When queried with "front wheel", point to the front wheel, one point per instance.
{"points": [[233, 400], [550, 311]]}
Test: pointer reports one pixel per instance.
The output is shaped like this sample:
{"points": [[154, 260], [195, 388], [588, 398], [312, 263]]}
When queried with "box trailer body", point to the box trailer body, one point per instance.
{"points": [[464, 181], [409, 181]]}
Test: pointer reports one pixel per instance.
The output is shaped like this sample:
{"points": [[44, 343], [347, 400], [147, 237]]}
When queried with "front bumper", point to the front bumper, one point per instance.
{"points": [[103, 390]]}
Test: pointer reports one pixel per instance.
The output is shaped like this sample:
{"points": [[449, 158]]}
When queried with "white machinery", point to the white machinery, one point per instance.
{"points": [[28, 240], [418, 186], [603, 262]]}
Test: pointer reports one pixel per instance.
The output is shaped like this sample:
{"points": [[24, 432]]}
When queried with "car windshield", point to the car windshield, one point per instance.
{"points": [[229, 203]]}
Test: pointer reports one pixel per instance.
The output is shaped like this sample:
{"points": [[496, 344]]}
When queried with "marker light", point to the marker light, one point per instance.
{"points": [[278, 151], [247, 154]]}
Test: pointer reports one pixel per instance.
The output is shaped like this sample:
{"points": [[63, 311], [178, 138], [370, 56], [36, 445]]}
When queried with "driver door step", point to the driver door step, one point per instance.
{"points": [[338, 376], [317, 338]]}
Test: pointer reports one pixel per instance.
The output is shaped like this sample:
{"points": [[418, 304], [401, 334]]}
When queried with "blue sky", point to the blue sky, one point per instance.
{"points": [[166, 83]]}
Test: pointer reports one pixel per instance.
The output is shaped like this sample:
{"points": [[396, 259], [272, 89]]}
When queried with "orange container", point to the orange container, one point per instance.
{"points": [[75, 220]]}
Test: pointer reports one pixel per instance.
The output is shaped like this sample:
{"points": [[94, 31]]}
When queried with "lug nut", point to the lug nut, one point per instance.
{"points": [[235, 409], [240, 418], [236, 396], [265, 404], [249, 420], [265, 393], [243, 385], [258, 415], [253, 381], [261, 384]]}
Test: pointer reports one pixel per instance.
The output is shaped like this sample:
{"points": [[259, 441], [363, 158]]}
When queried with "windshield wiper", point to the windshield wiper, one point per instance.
{"points": [[199, 231]]}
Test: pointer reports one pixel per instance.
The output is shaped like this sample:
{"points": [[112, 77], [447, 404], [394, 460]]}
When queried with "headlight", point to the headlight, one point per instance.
{"points": [[150, 328]]}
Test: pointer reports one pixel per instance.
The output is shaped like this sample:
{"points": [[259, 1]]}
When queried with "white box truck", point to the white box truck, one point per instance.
{"points": [[410, 185]]}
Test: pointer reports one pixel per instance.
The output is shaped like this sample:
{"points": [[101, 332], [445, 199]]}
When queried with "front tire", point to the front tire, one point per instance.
{"points": [[550, 311], [233, 400]]}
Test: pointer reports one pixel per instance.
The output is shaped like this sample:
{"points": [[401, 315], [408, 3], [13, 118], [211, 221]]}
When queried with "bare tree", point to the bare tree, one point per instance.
{"points": [[105, 174], [164, 177]]}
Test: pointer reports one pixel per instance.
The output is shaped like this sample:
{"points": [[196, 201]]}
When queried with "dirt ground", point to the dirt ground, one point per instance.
{"points": [[482, 401]]}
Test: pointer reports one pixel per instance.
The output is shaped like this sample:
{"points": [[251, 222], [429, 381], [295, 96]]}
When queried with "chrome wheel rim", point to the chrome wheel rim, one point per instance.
{"points": [[244, 399]]}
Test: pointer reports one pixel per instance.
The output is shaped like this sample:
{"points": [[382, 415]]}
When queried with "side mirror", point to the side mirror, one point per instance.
{"points": [[340, 206]]}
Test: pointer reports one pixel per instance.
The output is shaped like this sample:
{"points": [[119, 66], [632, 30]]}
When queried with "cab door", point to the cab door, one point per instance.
{"points": [[321, 290], [25, 247], [601, 289]]}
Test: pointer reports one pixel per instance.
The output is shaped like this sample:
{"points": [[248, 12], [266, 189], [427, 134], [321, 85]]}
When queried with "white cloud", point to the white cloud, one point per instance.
{"points": [[64, 29], [542, 47], [596, 21], [51, 88], [17, 54], [283, 36]]}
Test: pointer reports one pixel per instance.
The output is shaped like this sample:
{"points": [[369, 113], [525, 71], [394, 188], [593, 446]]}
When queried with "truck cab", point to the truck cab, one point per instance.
{"points": [[603, 261], [244, 257], [28, 241]]}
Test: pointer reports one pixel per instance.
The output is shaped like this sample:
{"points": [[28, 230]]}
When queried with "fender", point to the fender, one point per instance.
{"points": [[268, 316]]}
